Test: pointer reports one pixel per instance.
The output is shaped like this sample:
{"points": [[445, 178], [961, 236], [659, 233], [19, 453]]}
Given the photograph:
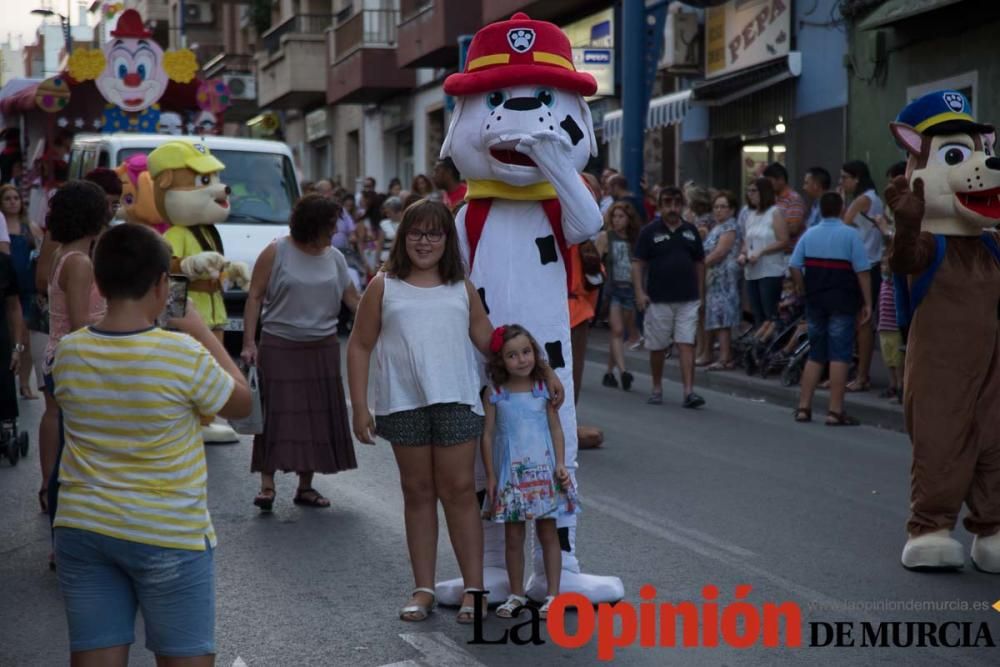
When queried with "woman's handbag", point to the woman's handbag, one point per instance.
{"points": [[252, 424]]}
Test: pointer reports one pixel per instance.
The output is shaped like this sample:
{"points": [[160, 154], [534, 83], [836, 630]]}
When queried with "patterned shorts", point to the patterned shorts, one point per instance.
{"points": [[439, 424]]}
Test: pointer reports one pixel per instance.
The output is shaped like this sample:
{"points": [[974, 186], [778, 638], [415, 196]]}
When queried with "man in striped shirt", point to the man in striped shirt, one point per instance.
{"points": [[836, 286], [789, 202], [132, 527]]}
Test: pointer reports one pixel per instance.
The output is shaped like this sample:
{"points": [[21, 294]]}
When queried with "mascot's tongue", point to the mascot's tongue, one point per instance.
{"points": [[985, 203], [511, 156]]}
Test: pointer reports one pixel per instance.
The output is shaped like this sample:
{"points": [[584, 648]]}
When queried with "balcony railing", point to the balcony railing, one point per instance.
{"points": [[228, 62], [300, 24], [367, 28], [410, 8]]}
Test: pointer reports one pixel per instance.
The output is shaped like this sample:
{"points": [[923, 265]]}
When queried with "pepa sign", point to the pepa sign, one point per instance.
{"points": [[742, 33]]}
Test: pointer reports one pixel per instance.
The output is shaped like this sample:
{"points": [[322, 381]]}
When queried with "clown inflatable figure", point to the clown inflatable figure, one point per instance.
{"points": [[521, 133], [190, 196], [948, 289]]}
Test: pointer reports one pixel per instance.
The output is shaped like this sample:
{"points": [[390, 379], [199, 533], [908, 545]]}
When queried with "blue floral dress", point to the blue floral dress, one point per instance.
{"points": [[524, 460], [722, 281]]}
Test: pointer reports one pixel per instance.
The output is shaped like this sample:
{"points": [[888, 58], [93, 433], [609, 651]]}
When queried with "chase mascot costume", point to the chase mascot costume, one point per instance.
{"points": [[190, 196], [948, 280], [520, 134]]}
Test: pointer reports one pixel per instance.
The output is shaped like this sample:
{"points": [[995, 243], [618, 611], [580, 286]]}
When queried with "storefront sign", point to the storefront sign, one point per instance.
{"points": [[593, 45], [742, 33], [316, 127]]}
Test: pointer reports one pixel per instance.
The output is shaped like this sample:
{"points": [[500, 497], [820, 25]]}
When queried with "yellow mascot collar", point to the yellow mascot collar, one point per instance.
{"points": [[488, 189]]}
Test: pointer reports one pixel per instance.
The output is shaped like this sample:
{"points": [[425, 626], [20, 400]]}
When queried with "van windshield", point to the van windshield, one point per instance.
{"points": [[263, 185]]}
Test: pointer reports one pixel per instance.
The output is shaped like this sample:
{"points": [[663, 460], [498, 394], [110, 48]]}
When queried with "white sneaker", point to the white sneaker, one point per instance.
{"points": [[937, 550], [986, 553], [638, 344]]}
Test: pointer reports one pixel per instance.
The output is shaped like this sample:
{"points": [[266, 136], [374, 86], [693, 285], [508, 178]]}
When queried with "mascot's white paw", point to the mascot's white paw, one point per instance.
{"points": [[238, 274], [217, 434], [937, 550], [204, 265], [986, 553], [594, 587], [449, 593]]}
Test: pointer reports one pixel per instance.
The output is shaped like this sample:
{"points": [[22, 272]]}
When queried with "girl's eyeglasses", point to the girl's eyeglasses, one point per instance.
{"points": [[416, 235]]}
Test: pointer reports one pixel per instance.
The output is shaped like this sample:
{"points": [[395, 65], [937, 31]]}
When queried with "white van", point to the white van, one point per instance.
{"points": [[253, 167]]}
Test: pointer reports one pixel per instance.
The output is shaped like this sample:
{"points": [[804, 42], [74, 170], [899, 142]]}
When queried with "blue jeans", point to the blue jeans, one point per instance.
{"points": [[831, 336], [764, 295], [105, 580]]}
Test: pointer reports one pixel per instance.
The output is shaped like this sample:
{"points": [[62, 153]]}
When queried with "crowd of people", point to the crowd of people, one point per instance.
{"points": [[708, 268], [679, 270]]}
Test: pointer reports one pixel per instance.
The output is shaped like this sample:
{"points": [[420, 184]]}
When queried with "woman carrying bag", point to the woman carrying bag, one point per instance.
{"points": [[300, 281]]}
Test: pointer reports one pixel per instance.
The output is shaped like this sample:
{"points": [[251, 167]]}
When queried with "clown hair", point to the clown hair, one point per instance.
{"points": [[495, 366]]}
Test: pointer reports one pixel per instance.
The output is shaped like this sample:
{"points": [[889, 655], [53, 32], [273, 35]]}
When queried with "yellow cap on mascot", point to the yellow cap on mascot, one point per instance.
{"points": [[183, 155]]}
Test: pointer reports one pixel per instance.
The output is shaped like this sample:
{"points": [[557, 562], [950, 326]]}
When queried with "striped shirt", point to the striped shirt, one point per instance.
{"points": [[793, 208], [134, 463], [887, 306]]}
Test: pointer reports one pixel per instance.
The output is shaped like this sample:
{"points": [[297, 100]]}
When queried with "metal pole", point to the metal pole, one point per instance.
{"points": [[633, 95], [68, 28]]}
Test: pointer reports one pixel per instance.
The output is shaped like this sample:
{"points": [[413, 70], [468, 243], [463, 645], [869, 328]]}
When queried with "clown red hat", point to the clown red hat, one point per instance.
{"points": [[130, 25], [517, 52]]}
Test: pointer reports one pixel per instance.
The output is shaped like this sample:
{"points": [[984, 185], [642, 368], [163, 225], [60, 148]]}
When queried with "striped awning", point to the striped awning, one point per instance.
{"points": [[663, 111]]}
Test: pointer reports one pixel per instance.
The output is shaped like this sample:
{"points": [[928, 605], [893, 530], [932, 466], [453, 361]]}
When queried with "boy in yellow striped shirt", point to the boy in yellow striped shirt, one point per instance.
{"points": [[132, 527]]}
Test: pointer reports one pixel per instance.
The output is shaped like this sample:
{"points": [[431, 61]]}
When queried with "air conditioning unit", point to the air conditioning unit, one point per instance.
{"points": [[241, 86], [198, 13]]}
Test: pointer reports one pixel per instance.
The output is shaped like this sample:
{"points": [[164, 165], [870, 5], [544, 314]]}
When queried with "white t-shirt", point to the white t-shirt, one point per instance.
{"points": [[4, 234]]}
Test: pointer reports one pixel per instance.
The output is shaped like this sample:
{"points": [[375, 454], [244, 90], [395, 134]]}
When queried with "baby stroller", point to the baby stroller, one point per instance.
{"points": [[774, 356], [13, 443], [792, 373]]}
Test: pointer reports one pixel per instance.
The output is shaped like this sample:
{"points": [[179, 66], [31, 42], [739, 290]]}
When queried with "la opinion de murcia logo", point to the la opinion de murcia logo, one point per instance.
{"points": [[521, 39]]}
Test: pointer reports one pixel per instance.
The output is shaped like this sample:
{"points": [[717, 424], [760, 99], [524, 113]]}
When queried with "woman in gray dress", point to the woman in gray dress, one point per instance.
{"points": [[722, 292]]}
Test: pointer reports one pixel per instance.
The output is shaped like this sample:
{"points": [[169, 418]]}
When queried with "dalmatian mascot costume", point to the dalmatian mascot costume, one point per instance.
{"points": [[520, 134]]}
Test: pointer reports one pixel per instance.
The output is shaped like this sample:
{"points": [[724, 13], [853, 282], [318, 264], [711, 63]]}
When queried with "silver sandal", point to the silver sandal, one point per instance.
{"points": [[467, 614], [414, 613], [506, 610], [543, 611]]}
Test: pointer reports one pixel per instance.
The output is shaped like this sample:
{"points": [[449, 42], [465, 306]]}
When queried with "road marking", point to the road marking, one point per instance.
{"points": [[238, 662], [436, 650], [653, 521]]}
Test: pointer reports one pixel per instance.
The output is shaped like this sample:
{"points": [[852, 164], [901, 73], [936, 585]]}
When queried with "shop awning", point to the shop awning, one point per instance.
{"points": [[663, 111], [18, 95], [724, 89], [893, 11]]}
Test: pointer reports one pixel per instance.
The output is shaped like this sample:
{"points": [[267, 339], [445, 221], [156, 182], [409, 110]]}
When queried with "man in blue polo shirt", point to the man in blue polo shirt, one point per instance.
{"points": [[837, 287]]}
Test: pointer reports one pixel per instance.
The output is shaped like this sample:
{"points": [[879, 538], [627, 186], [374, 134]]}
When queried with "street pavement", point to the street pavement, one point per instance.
{"points": [[732, 494]]}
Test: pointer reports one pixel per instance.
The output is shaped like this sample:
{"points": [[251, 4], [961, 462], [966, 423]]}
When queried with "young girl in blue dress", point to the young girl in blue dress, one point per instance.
{"points": [[522, 448]]}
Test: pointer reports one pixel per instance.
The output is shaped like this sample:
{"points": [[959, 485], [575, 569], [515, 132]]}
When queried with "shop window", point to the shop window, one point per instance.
{"points": [[757, 155]]}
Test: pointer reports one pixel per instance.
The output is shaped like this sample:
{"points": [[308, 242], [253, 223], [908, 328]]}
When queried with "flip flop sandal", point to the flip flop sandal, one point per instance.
{"points": [[314, 500], [841, 419], [855, 386], [264, 501], [506, 610], [414, 613], [803, 415]]}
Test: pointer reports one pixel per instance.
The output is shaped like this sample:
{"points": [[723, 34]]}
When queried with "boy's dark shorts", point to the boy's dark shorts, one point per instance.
{"points": [[441, 424]]}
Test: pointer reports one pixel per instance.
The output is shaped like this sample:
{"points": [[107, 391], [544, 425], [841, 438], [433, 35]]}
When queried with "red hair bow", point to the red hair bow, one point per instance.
{"points": [[496, 340]]}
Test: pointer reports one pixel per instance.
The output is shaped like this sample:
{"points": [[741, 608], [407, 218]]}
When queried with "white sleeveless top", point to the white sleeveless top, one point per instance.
{"points": [[759, 235], [871, 235], [424, 355]]}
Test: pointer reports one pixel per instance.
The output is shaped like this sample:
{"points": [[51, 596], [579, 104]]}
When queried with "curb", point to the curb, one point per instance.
{"points": [[866, 407]]}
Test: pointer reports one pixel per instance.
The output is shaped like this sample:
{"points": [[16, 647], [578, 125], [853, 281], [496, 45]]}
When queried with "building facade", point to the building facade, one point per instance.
{"points": [[896, 55]]}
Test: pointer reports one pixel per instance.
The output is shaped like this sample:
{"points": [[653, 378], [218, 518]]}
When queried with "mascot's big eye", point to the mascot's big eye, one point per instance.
{"points": [[205, 180], [952, 154], [121, 68], [142, 72], [128, 200], [495, 99], [545, 96]]}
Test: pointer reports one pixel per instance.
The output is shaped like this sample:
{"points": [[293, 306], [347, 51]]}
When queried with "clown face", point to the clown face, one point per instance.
{"points": [[486, 129], [133, 78]]}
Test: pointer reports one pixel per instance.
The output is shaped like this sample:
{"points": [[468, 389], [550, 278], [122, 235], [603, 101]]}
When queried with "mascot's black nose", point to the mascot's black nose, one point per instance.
{"points": [[522, 103], [993, 163], [229, 190]]}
